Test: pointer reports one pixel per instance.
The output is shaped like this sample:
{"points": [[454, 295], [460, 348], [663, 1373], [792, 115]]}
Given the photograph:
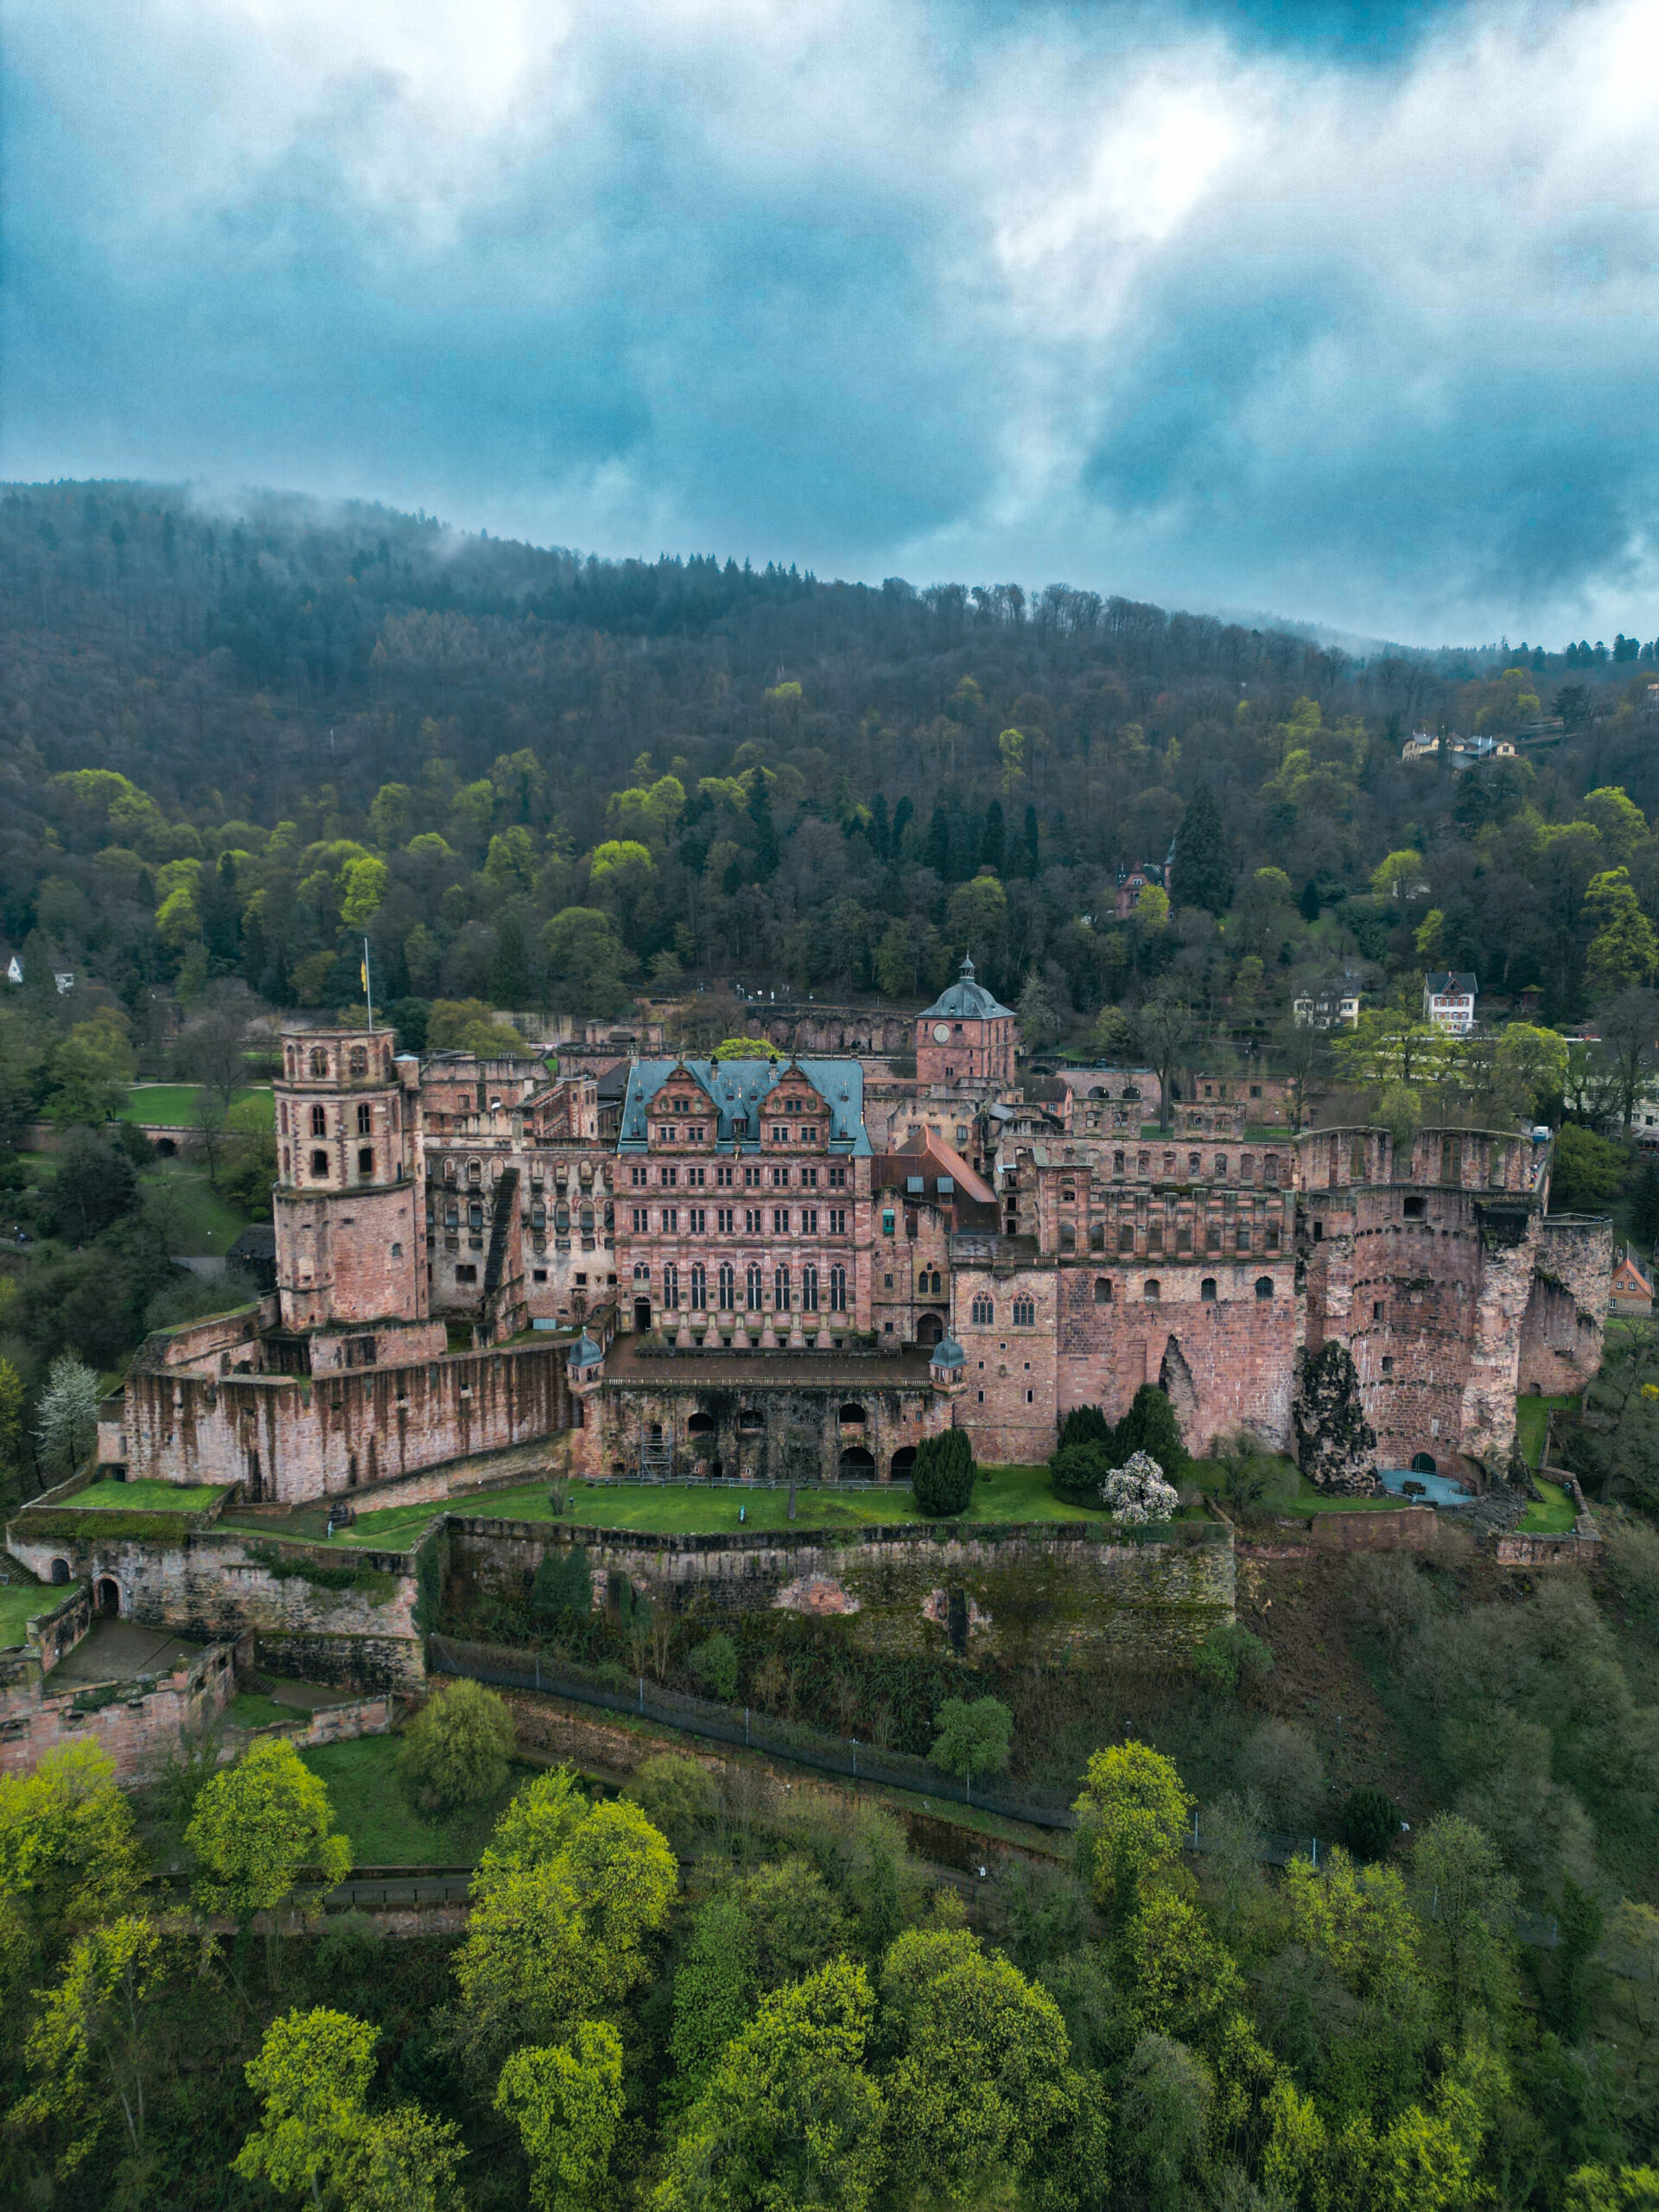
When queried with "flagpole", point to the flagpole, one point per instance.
{"points": [[368, 987]]}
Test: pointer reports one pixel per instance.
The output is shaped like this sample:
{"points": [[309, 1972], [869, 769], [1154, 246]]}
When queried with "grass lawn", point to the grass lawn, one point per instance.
{"points": [[208, 1223], [1009, 1494], [249, 1709], [173, 1104], [1554, 1517], [1293, 1492], [379, 1812], [17, 1601], [1532, 1421], [145, 1496]]}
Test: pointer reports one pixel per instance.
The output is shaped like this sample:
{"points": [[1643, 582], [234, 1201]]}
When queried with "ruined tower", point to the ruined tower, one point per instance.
{"points": [[349, 1218]]}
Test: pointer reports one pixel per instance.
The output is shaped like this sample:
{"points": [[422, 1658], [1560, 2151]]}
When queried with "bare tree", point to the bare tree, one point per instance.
{"points": [[212, 1050], [1166, 1027]]}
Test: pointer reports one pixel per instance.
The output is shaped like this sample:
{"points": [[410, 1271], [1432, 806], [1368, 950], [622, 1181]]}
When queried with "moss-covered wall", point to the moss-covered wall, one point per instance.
{"points": [[1038, 1594]]}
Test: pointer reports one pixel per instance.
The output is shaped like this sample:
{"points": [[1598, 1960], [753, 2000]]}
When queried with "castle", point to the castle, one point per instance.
{"points": [[745, 1277]]}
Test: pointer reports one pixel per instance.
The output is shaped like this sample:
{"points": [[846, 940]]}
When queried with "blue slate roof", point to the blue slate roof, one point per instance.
{"points": [[739, 1089]]}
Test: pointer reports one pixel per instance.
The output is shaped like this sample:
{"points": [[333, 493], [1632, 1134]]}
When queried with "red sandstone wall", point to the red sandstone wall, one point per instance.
{"points": [[345, 1432]]}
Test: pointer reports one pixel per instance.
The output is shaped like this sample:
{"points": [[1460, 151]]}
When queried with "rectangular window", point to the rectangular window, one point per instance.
{"points": [[808, 1178], [641, 1221], [809, 1221], [887, 1221], [780, 1221], [751, 1178], [365, 1121], [466, 1272], [722, 1179], [837, 1221], [636, 1176], [725, 1220], [837, 1179], [780, 1179], [670, 1177], [670, 1221], [696, 1220], [751, 1218]]}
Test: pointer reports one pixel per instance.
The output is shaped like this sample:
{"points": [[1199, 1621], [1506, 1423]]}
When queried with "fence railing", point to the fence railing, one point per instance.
{"points": [[510, 1669], [738, 1725]]}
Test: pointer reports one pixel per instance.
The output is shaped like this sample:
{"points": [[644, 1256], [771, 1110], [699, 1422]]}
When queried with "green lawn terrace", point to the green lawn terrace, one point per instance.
{"points": [[146, 1506], [177, 1105]]}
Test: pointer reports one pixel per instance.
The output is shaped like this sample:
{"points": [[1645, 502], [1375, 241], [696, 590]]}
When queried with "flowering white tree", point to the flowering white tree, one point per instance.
{"points": [[1136, 1492], [68, 1417]]}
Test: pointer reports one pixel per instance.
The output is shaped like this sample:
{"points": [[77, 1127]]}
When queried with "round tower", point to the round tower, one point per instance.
{"points": [[349, 1225]]}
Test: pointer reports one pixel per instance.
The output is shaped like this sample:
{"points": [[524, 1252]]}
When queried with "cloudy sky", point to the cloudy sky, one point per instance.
{"points": [[1347, 313]]}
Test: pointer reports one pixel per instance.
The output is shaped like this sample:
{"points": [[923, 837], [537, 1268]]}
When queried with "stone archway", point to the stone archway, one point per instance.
{"points": [[930, 1330], [1175, 1381], [107, 1595]]}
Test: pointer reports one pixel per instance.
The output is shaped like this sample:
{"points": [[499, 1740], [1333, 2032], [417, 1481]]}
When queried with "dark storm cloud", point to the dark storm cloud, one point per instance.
{"points": [[1343, 311]]}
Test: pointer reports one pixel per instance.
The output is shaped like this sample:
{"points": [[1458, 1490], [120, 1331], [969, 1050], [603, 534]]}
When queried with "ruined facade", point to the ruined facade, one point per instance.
{"points": [[458, 1243]]}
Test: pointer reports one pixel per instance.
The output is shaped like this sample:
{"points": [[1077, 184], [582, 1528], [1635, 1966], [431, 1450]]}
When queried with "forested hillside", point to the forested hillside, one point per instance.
{"points": [[231, 743]]}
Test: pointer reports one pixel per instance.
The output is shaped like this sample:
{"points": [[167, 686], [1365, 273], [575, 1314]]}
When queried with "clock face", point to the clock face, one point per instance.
{"points": [[941, 1032]]}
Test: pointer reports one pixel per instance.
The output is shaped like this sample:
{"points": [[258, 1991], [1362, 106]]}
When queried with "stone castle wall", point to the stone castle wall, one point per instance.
{"points": [[758, 1428], [289, 1438], [140, 1724], [1047, 1594], [1566, 1314], [218, 1585]]}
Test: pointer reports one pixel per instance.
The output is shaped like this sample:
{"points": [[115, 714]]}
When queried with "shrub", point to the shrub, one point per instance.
{"points": [[1384, 1595], [1280, 1762], [1631, 1551], [457, 1746], [1085, 1425], [1077, 1471], [974, 1737], [676, 1794], [1371, 1822], [1136, 1492], [1230, 1658], [1150, 1426], [942, 1480], [714, 1664], [563, 1584]]}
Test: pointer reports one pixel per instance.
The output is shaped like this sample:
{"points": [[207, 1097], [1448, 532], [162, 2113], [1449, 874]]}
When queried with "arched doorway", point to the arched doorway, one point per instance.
{"points": [[1422, 1463], [60, 1571], [903, 1460], [106, 1594], [858, 1465], [930, 1330]]}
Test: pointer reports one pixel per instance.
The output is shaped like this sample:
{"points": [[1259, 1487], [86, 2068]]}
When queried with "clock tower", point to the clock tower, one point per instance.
{"points": [[965, 1036]]}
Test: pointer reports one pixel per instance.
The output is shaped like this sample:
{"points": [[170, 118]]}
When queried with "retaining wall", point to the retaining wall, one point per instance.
{"points": [[1049, 1593]]}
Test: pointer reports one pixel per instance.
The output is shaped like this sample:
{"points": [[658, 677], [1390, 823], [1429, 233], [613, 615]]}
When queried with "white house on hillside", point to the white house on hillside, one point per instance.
{"points": [[1449, 1000]]}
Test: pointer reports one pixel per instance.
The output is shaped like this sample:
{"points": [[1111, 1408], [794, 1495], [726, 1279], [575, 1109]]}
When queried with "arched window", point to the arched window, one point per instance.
{"points": [[365, 1120], [1025, 1313], [780, 1289], [319, 1062], [1207, 1290], [1126, 1237], [1102, 1290], [727, 1288], [837, 1290], [318, 1163], [360, 1063], [699, 1286], [983, 1312], [319, 1121], [700, 1425], [1153, 1292], [852, 1413], [809, 1290], [670, 1285], [754, 1286], [642, 1271], [1221, 1167], [1264, 1286], [475, 1171]]}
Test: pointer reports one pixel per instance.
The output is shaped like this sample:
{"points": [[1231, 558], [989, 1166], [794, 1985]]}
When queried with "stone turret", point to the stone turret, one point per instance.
{"points": [[350, 1220]]}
